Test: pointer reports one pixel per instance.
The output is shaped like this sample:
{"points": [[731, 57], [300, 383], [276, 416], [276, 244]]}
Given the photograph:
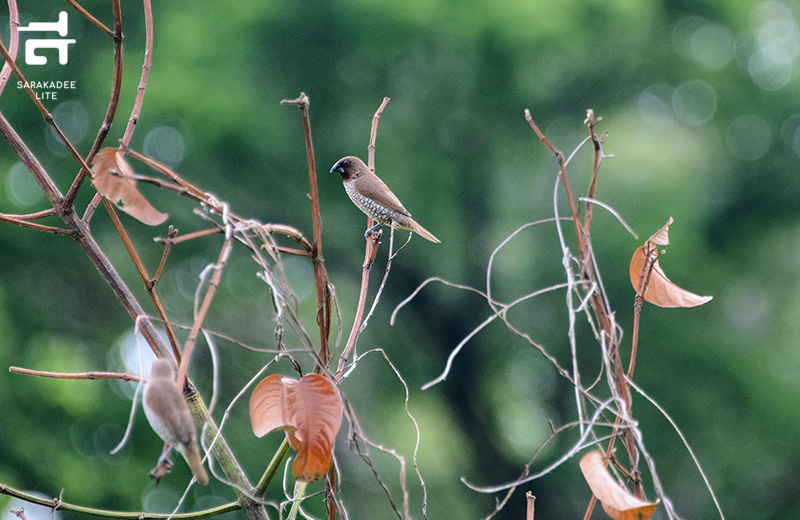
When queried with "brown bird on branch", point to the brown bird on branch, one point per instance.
{"points": [[372, 196], [169, 415]]}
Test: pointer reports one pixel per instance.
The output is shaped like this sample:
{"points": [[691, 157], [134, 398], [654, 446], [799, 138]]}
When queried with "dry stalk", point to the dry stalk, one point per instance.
{"points": [[116, 91], [585, 283], [371, 251], [63, 207], [13, 22]]}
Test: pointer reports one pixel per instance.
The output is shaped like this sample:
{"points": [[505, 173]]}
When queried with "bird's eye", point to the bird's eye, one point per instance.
{"points": [[345, 163]]}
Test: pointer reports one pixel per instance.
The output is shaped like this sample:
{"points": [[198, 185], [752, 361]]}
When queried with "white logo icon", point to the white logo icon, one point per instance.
{"points": [[31, 58]]}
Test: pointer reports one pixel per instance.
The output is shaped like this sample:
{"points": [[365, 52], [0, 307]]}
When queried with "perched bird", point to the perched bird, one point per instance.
{"points": [[374, 198], [169, 415]]}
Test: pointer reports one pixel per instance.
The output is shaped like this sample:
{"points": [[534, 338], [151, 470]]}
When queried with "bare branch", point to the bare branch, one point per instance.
{"points": [[58, 504], [322, 283], [13, 22], [125, 376]]}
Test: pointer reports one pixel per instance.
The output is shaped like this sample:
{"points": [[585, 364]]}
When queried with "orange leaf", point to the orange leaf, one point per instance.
{"points": [[659, 289], [661, 237], [112, 177], [308, 410], [616, 501]]}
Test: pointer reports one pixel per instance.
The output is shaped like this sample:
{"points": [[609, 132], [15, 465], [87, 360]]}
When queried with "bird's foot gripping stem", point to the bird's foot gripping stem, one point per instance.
{"points": [[374, 232], [163, 467]]}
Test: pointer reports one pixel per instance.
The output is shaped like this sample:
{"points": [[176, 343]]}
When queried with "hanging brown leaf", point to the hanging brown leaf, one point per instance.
{"points": [[616, 501], [659, 289], [112, 177], [308, 410]]}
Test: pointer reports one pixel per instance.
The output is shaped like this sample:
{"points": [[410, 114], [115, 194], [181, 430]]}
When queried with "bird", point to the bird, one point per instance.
{"points": [[372, 196], [169, 416]]}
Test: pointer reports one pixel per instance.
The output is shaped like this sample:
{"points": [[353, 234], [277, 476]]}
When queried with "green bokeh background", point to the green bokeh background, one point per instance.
{"points": [[700, 100]]}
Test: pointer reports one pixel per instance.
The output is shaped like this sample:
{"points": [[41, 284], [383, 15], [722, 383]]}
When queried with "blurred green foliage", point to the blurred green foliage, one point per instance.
{"points": [[700, 103]]}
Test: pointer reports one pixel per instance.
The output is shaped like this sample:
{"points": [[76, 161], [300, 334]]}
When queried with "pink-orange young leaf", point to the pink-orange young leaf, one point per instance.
{"points": [[618, 503], [659, 290], [308, 410], [112, 177]]}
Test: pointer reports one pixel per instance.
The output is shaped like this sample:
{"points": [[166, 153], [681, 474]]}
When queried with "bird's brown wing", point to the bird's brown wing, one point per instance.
{"points": [[372, 186], [166, 400]]}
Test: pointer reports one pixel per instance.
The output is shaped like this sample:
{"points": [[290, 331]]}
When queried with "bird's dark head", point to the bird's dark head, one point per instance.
{"points": [[350, 167]]}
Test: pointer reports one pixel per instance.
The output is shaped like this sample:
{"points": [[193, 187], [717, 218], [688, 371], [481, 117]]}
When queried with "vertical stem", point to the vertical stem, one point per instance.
{"points": [[148, 58], [369, 258], [116, 90], [13, 43], [530, 499], [299, 491], [597, 157], [616, 379], [652, 256], [371, 250], [320, 274], [373, 136]]}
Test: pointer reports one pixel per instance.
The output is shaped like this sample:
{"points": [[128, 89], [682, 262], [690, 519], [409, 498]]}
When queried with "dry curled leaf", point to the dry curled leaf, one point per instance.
{"points": [[616, 501], [659, 290], [112, 177], [308, 410]]}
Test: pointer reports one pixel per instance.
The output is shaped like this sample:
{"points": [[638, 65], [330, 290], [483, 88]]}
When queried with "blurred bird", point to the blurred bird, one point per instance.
{"points": [[375, 199], [169, 415]]}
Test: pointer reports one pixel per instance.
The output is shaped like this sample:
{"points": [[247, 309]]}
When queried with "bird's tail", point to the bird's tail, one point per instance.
{"points": [[421, 231], [192, 455]]}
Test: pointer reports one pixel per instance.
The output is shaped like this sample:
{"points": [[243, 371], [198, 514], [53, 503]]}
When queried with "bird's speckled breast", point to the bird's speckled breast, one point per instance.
{"points": [[374, 210]]}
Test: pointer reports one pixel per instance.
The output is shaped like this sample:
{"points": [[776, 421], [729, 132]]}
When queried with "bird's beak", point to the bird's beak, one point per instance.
{"points": [[337, 168]]}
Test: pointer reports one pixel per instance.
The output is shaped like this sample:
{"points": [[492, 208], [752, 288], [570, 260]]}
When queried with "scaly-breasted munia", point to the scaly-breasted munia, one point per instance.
{"points": [[372, 196], [169, 415]]}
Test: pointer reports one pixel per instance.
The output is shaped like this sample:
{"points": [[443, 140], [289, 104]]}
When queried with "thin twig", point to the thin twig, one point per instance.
{"points": [[426, 282], [188, 189], [125, 376], [370, 252], [60, 505], [171, 234], [189, 236], [148, 58], [13, 43], [685, 442], [373, 135], [321, 281], [386, 271], [213, 284], [111, 111], [576, 447], [651, 255], [148, 282], [34, 216], [500, 313], [32, 225], [97, 23], [560, 159], [597, 157]]}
